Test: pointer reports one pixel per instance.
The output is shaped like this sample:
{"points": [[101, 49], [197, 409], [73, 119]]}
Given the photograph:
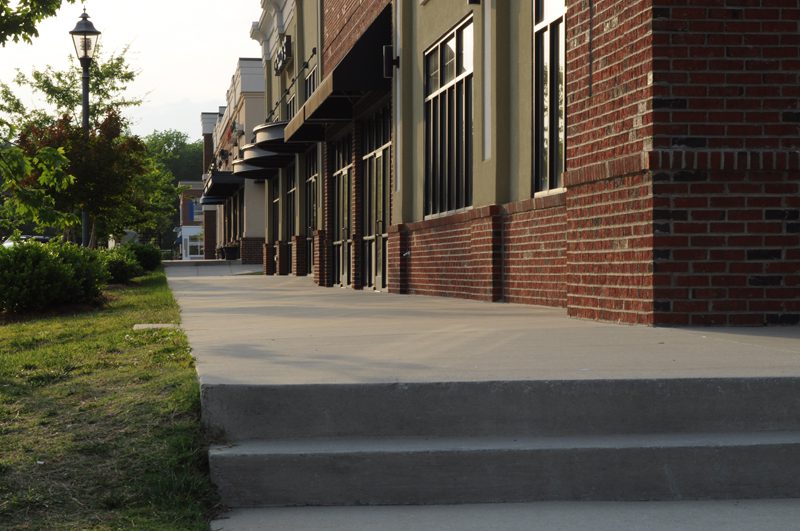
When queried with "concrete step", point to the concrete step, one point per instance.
{"points": [[505, 408], [444, 470]]}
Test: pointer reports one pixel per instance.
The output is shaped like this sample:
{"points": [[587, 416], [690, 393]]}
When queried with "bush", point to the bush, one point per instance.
{"points": [[121, 264], [31, 278], [149, 257], [88, 273]]}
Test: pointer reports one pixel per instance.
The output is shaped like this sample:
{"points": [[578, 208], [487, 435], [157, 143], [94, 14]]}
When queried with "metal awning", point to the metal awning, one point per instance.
{"points": [[270, 137], [242, 168], [211, 200], [358, 73], [221, 184]]}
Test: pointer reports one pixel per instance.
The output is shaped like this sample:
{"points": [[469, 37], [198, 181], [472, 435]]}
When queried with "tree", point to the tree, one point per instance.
{"points": [[19, 22], [28, 187], [118, 181], [172, 148]]}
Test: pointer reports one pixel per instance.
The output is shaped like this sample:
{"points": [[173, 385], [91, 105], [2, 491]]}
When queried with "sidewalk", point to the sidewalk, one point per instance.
{"points": [[251, 329], [285, 330]]}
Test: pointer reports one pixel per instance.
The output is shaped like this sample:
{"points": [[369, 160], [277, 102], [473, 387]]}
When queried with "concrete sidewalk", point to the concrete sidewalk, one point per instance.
{"points": [[284, 330]]}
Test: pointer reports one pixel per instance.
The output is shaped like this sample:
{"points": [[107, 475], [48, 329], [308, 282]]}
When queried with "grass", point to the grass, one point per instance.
{"points": [[99, 425]]}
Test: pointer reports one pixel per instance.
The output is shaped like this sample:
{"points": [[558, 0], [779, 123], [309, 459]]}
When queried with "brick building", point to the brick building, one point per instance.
{"points": [[628, 160], [235, 205], [191, 220]]}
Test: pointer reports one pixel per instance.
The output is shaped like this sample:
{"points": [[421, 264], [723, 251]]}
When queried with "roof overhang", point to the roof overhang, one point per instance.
{"points": [[360, 72], [208, 200], [242, 168], [222, 184]]}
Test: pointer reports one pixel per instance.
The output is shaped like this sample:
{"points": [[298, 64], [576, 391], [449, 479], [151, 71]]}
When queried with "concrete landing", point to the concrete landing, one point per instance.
{"points": [[764, 515], [250, 329]]}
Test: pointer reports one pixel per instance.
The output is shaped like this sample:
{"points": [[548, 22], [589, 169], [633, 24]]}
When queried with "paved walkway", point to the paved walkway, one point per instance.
{"points": [[248, 328], [286, 330]]}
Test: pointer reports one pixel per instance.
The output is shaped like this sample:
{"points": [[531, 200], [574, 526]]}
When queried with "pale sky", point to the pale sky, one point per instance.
{"points": [[185, 52]]}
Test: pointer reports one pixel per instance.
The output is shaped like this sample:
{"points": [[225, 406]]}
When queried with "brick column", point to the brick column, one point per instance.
{"points": [[209, 234], [320, 261], [269, 259], [397, 258], [356, 229], [299, 255], [282, 258]]}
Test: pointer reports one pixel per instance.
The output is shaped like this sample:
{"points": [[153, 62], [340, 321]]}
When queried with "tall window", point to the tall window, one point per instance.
{"points": [[311, 83], [549, 67], [275, 192], [291, 107], [448, 121]]}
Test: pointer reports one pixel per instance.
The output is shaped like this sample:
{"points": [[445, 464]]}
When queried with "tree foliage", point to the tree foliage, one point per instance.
{"points": [[119, 179], [172, 148], [18, 19]]}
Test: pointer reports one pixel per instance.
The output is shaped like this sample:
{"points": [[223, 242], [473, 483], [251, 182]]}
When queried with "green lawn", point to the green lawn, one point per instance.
{"points": [[99, 425]]}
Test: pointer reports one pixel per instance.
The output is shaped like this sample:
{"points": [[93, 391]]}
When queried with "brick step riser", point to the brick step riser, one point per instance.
{"points": [[238, 412], [738, 472]]}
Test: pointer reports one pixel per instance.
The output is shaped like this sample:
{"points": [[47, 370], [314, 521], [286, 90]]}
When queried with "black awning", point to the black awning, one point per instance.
{"points": [[211, 200], [255, 156], [241, 168], [357, 74], [222, 184]]}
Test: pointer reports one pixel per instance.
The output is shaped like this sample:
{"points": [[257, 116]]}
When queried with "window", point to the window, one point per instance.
{"points": [[195, 245], [291, 107], [311, 83], [197, 210], [291, 195], [310, 210], [275, 192], [550, 120], [448, 121]]}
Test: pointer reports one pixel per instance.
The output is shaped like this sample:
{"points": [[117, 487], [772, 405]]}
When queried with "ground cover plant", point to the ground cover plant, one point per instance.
{"points": [[99, 424]]}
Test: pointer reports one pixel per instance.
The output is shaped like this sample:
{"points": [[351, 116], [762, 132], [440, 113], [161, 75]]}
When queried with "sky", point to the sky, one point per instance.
{"points": [[184, 50]]}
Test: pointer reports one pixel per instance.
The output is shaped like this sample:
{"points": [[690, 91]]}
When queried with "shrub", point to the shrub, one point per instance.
{"points": [[121, 264], [32, 278], [149, 257], [88, 271]]}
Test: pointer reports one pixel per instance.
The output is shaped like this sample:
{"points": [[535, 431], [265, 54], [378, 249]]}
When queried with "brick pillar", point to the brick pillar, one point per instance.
{"points": [[251, 251], [209, 234], [323, 247], [397, 258], [269, 259], [282, 258], [320, 262], [356, 228], [299, 255]]}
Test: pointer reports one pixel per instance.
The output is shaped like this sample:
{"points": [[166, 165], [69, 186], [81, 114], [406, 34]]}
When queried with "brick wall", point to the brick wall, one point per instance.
{"points": [[535, 251], [453, 256], [252, 250], [727, 169], [344, 22], [209, 234]]}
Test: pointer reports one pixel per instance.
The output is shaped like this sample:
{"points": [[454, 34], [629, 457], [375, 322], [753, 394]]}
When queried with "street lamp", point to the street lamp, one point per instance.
{"points": [[85, 37]]}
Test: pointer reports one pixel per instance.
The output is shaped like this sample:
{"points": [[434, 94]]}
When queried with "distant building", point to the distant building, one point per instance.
{"points": [[191, 214], [238, 203]]}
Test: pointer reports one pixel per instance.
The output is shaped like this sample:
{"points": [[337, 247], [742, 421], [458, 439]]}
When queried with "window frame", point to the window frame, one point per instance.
{"points": [[549, 96], [448, 91]]}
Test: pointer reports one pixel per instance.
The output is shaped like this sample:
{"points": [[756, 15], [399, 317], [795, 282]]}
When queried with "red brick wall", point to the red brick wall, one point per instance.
{"points": [[453, 256], [209, 234], [727, 175], [728, 243], [252, 250], [535, 251], [610, 249], [609, 60], [344, 22]]}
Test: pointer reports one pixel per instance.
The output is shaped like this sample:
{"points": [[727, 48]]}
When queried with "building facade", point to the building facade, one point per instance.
{"points": [[238, 203], [191, 216], [631, 161]]}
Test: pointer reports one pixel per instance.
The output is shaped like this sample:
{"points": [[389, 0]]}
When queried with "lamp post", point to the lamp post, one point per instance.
{"points": [[85, 38]]}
